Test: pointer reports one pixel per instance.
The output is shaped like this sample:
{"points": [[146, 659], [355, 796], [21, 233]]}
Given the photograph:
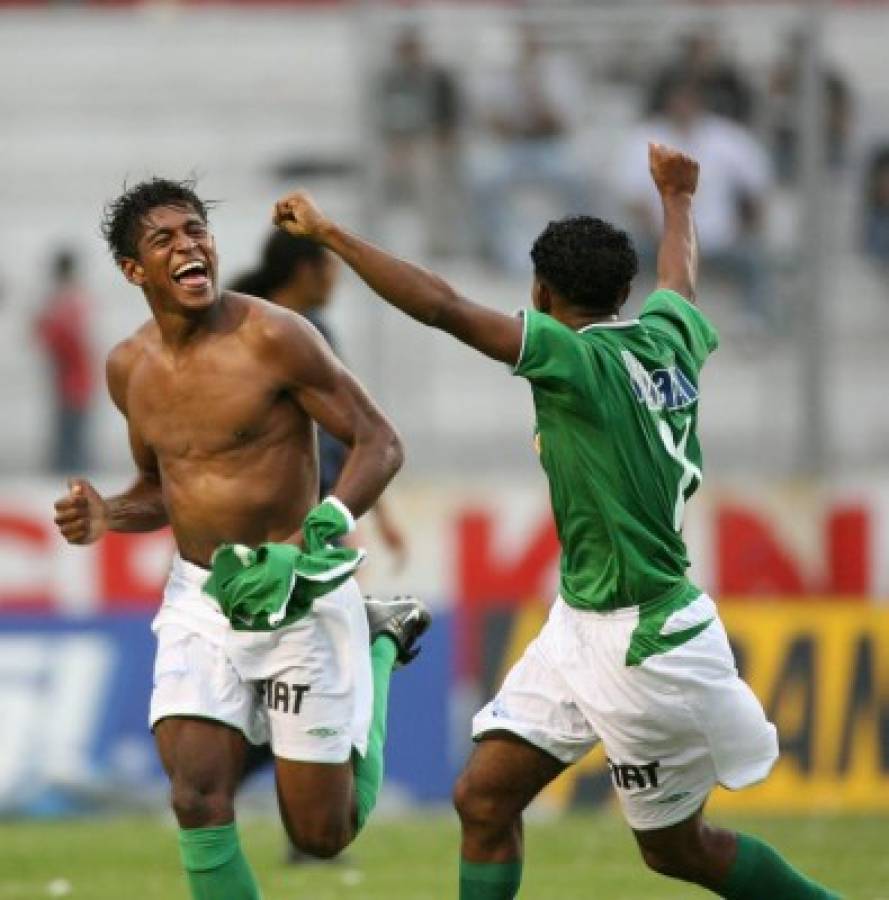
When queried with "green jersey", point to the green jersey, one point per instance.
{"points": [[617, 409]]}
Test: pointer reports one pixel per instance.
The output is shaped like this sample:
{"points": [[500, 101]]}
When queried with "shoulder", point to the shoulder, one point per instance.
{"points": [[280, 338], [680, 323], [124, 357], [549, 348], [269, 327]]}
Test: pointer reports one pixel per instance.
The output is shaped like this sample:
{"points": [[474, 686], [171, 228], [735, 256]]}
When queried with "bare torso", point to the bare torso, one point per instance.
{"points": [[235, 453]]}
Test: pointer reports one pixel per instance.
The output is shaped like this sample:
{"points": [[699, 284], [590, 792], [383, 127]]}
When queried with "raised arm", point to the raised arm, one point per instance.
{"points": [[83, 515], [676, 178], [333, 397], [421, 294]]}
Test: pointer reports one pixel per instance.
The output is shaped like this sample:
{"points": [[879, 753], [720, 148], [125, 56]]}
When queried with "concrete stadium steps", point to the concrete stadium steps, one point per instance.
{"points": [[238, 89], [96, 96]]}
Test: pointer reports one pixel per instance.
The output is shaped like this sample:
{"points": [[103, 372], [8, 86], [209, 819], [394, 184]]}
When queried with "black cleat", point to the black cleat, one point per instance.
{"points": [[404, 619]]}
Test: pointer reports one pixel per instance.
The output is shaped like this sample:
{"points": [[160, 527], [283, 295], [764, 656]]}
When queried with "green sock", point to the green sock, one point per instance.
{"points": [[369, 768], [760, 871], [215, 864], [490, 881]]}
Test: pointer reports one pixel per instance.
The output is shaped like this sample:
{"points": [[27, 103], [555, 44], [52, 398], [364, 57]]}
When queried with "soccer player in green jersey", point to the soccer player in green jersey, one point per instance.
{"points": [[633, 654]]}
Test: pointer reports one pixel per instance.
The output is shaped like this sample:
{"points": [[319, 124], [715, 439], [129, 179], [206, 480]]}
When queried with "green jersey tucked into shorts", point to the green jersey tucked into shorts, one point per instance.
{"points": [[617, 410]]}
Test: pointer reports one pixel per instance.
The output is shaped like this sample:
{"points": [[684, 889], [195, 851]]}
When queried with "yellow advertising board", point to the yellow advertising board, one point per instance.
{"points": [[821, 669], [822, 673]]}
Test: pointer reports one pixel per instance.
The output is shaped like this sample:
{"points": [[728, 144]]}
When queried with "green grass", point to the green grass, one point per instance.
{"points": [[414, 858]]}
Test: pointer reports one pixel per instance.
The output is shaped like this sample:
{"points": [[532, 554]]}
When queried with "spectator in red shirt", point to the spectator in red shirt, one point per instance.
{"points": [[62, 330]]}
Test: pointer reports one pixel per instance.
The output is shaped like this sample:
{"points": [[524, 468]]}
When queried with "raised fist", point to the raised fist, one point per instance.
{"points": [[297, 214], [673, 172]]}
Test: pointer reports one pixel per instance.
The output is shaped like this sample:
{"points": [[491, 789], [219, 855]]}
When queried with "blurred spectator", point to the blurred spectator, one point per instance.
{"points": [[62, 329], [784, 107], [419, 109], [531, 112], [725, 90], [729, 207], [301, 275], [875, 213]]}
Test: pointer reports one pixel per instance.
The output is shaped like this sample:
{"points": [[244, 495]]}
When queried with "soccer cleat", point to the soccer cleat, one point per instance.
{"points": [[404, 619]]}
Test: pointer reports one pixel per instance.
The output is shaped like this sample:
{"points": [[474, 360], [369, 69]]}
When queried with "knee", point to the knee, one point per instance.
{"points": [[670, 863], [322, 841], [198, 807], [479, 807], [697, 856]]}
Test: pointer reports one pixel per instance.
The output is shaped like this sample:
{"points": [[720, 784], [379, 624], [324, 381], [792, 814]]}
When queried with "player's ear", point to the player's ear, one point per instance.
{"points": [[541, 296], [132, 271]]}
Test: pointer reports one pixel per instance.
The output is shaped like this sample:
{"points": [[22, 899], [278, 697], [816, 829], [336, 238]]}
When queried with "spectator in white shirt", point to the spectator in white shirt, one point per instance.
{"points": [[730, 202], [530, 111]]}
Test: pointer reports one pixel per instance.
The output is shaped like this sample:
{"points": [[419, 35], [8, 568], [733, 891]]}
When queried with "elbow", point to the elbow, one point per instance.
{"points": [[393, 451], [380, 449]]}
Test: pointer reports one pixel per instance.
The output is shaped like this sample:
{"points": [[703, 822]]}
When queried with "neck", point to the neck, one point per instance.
{"points": [[179, 328], [576, 319]]}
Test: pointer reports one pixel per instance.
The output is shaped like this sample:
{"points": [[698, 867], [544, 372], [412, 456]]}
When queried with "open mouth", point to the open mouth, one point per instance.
{"points": [[193, 275]]}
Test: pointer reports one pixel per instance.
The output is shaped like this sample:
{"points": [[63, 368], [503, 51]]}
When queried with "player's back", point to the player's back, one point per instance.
{"points": [[616, 407]]}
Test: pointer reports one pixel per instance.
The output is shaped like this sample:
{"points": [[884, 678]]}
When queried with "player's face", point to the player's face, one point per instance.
{"points": [[176, 258]]}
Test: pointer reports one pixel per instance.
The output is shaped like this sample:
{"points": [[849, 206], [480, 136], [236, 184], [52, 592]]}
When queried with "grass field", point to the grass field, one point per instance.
{"points": [[413, 858]]}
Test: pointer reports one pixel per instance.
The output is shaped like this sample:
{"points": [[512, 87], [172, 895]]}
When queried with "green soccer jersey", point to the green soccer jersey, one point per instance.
{"points": [[617, 408]]}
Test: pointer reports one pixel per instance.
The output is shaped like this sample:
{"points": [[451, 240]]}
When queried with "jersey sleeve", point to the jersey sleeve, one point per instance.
{"points": [[551, 352], [681, 323]]}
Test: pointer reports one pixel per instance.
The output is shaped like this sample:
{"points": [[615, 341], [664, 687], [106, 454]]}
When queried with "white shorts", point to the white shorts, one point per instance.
{"points": [[673, 726], [306, 688]]}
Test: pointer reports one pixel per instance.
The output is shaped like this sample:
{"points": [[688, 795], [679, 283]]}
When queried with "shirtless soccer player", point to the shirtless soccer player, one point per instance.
{"points": [[220, 392], [633, 655]]}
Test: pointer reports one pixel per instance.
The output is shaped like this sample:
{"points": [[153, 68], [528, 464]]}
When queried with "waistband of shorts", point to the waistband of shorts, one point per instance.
{"points": [[606, 615], [625, 612]]}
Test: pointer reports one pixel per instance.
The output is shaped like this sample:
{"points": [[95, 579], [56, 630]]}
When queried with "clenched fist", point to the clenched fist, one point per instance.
{"points": [[297, 215], [673, 172], [82, 514]]}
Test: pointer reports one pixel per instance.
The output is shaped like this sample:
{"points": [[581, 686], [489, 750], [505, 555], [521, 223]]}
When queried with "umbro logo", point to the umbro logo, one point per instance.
{"points": [[322, 732], [675, 798]]}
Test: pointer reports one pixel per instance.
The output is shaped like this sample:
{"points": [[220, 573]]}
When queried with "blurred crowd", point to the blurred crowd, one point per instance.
{"points": [[469, 158], [478, 156]]}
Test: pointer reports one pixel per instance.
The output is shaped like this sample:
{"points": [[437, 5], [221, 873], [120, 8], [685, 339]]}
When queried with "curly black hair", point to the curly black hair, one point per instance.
{"points": [[587, 261], [123, 217]]}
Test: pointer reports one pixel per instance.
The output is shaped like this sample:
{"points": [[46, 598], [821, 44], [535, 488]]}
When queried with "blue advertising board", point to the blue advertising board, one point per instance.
{"points": [[74, 695]]}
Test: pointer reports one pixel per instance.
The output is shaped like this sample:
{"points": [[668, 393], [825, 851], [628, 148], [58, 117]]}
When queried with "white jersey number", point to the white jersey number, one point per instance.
{"points": [[691, 473]]}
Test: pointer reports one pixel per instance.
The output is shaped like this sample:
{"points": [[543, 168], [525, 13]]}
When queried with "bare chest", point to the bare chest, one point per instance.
{"points": [[208, 407]]}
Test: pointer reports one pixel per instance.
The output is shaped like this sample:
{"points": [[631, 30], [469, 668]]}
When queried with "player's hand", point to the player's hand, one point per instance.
{"points": [[82, 514], [298, 215], [673, 172]]}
